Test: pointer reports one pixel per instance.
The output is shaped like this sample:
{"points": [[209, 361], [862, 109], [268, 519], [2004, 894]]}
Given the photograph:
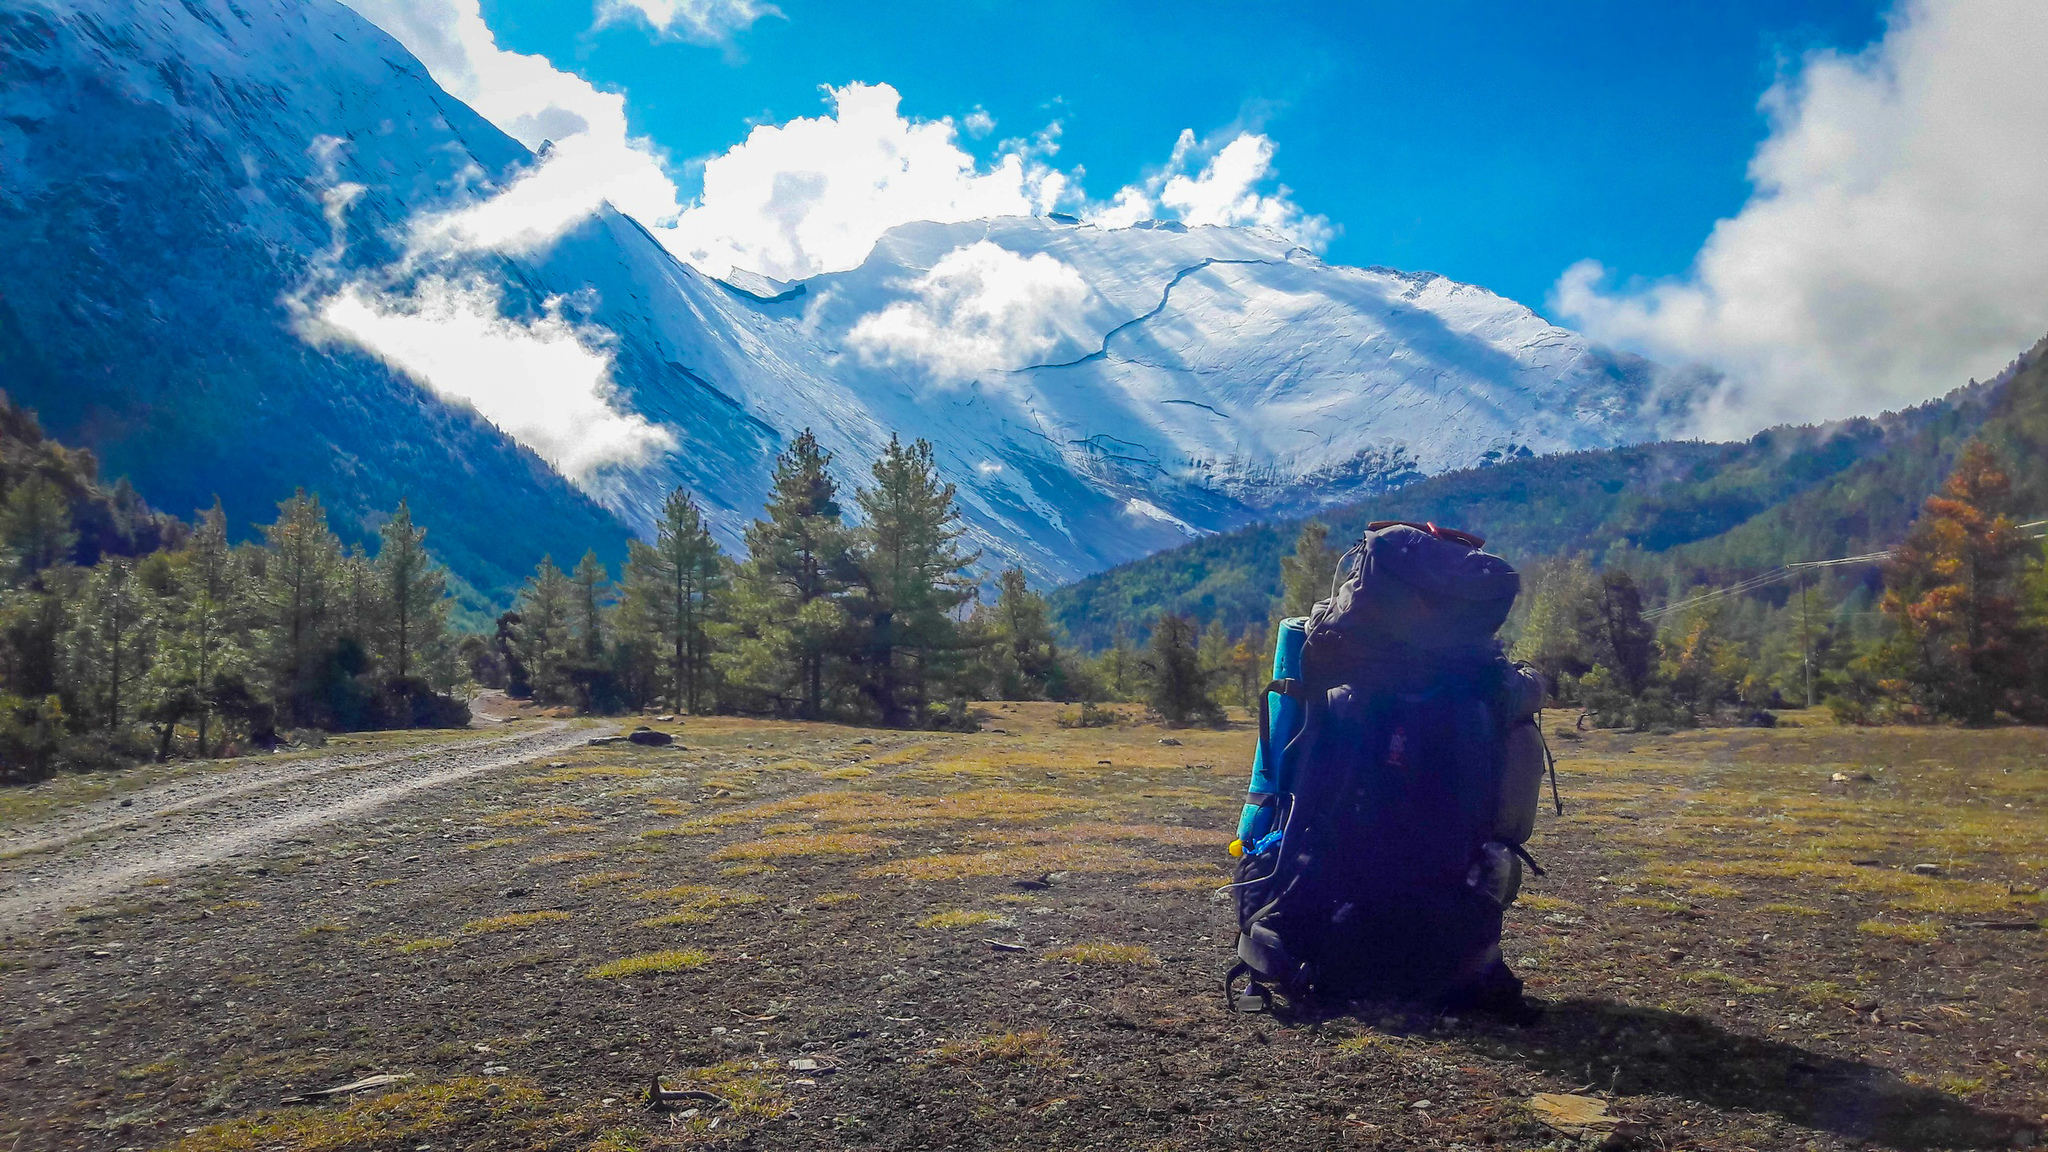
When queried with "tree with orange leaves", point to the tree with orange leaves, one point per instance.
{"points": [[1955, 589]]}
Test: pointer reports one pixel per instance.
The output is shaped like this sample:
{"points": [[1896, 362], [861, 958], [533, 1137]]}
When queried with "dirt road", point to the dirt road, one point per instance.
{"points": [[99, 850]]}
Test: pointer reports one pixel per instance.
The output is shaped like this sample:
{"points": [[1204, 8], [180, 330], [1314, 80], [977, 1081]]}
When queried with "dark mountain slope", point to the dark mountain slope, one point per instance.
{"points": [[158, 213]]}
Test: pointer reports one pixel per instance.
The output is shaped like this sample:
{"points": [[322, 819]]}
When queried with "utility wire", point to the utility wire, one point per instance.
{"points": [[1775, 575], [1787, 571]]}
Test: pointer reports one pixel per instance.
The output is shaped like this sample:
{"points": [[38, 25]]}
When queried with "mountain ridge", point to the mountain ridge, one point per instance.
{"points": [[1683, 514]]}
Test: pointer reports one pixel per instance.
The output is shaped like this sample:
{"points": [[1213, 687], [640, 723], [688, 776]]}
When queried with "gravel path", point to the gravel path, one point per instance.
{"points": [[104, 848]]}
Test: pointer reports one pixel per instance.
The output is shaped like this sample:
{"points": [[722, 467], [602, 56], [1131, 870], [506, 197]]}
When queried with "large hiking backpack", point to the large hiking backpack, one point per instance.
{"points": [[1397, 776]]}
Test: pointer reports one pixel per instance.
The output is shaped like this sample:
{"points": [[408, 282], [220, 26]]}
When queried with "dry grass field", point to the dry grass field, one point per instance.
{"points": [[827, 937]]}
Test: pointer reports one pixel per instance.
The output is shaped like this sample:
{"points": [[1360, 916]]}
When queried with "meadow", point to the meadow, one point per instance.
{"points": [[815, 936]]}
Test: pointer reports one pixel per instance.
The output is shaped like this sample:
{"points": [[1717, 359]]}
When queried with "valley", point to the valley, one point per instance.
{"points": [[640, 575], [838, 937]]}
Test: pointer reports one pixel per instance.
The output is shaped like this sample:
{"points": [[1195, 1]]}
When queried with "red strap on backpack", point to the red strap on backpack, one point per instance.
{"points": [[1451, 534]]}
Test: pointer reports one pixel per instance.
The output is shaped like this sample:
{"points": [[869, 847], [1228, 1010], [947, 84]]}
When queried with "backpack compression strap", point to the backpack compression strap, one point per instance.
{"points": [[1287, 687]]}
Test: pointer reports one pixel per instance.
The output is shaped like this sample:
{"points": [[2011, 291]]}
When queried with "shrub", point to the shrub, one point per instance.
{"points": [[1088, 715], [31, 733]]}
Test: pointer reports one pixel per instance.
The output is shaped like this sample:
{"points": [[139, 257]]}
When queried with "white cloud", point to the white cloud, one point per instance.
{"points": [[813, 195], [1895, 243], [542, 380], [337, 197], [790, 201], [705, 21], [1130, 205], [981, 308], [546, 381], [590, 156], [1225, 192]]}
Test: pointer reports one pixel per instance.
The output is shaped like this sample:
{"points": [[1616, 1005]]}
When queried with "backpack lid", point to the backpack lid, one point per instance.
{"points": [[1437, 562]]}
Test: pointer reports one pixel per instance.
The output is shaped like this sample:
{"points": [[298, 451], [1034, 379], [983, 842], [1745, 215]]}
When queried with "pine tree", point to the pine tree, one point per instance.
{"points": [[35, 527], [1179, 686], [111, 640], [671, 589], [356, 600], [1613, 633], [1703, 667], [299, 565], [1120, 668], [203, 641], [31, 737], [544, 637], [910, 567], [2037, 618], [1249, 664], [412, 590], [1306, 575], [1954, 590], [591, 584], [508, 646], [1214, 651], [1023, 659], [33, 628], [799, 560], [1550, 638]]}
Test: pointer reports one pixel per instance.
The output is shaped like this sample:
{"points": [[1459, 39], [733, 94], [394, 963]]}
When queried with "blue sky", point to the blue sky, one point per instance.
{"points": [[1494, 143]]}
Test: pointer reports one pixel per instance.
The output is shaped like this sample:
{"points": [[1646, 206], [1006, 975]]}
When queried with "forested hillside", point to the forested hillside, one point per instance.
{"points": [[1681, 514], [126, 633], [41, 479]]}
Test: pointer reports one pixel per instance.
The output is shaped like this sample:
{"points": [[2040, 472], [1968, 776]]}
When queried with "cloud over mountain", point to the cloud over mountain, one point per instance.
{"points": [[791, 200], [814, 194], [1226, 191], [587, 155], [982, 308], [1896, 240], [546, 381]]}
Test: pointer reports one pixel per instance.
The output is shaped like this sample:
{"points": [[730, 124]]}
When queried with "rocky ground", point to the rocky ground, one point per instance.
{"points": [[826, 937]]}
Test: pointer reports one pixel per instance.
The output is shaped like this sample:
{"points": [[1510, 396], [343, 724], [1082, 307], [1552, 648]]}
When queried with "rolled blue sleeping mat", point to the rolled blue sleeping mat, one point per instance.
{"points": [[1285, 718]]}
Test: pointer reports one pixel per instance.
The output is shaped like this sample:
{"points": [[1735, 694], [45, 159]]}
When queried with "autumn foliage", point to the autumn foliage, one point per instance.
{"points": [[1957, 591]]}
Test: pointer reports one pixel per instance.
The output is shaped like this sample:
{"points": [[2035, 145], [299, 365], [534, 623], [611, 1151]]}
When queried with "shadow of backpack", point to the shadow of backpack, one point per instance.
{"points": [[1397, 777]]}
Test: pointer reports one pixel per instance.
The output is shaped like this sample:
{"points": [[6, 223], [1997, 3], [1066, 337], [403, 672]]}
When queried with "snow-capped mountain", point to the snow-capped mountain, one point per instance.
{"points": [[188, 181], [1156, 382]]}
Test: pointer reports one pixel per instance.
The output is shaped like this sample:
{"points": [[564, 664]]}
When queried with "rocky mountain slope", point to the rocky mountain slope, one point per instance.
{"points": [[195, 187]]}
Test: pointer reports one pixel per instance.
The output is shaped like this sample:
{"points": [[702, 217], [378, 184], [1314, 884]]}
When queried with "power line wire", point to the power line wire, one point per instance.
{"points": [[1775, 575], [1787, 571]]}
